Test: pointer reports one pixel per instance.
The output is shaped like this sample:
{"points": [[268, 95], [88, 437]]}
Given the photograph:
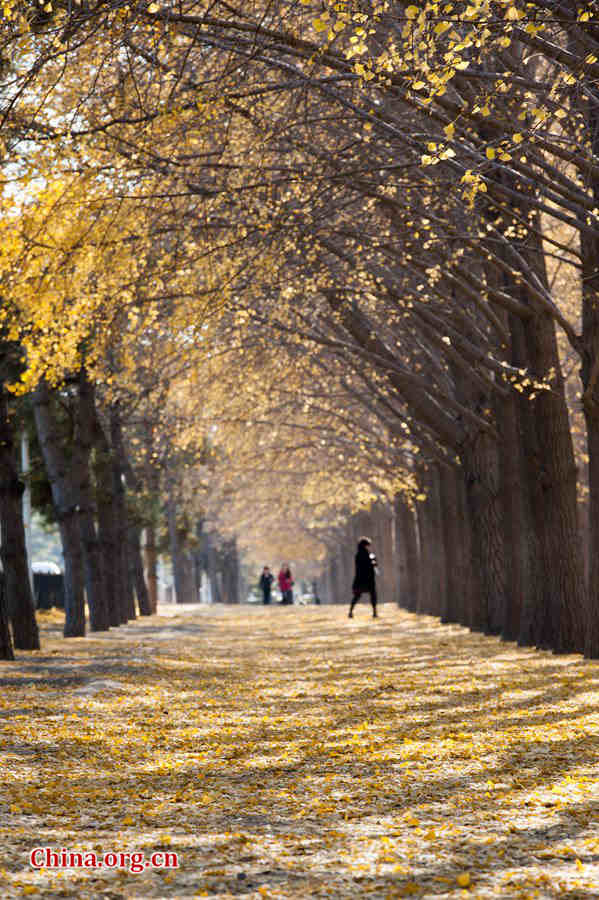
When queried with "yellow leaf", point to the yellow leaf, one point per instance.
{"points": [[463, 879], [490, 151]]}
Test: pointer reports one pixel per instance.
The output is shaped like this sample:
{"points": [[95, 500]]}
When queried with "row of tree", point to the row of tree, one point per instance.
{"points": [[346, 253]]}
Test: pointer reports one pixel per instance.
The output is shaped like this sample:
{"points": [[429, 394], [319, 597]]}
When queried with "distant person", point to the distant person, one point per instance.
{"points": [[266, 580], [365, 578], [285, 584]]}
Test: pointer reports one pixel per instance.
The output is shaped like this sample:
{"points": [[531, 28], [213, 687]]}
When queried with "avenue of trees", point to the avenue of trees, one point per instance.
{"points": [[281, 273]]}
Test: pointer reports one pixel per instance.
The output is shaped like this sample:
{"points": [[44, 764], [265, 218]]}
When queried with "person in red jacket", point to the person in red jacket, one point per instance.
{"points": [[285, 584]]}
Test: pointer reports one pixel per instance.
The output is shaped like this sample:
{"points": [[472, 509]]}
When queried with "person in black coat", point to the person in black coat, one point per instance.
{"points": [[266, 580], [365, 577]]}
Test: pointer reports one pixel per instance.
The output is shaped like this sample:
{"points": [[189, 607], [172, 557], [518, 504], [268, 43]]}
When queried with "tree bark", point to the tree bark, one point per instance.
{"points": [[19, 603], [437, 555], [480, 461], [67, 510], [515, 524], [151, 559], [384, 548], [212, 569], [471, 588], [6, 647], [137, 571], [588, 104], [562, 626], [179, 560], [456, 567], [95, 581], [425, 597], [230, 569], [107, 538], [121, 513], [407, 537], [402, 594]]}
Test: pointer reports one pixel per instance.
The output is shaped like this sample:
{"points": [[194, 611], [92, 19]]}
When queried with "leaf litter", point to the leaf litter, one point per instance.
{"points": [[292, 753]]}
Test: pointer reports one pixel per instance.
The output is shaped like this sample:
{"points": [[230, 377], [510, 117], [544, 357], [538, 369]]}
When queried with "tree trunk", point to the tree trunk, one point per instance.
{"points": [[17, 592], [151, 558], [589, 375], [402, 593], [515, 523], [437, 555], [67, 510], [456, 567], [6, 648], [179, 559], [137, 571], [95, 582], [532, 509], [471, 587], [107, 526], [407, 537], [121, 519], [480, 462], [425, 598], [232, 563], [212, 569], [562, 625], [384, 548]]}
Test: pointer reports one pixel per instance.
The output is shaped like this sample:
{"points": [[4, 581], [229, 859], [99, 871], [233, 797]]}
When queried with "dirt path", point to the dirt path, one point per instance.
{"points": [[292, 753]]}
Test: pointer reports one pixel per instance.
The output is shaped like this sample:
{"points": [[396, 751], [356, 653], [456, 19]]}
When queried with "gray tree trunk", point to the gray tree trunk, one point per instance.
{"points": [[179, 560], [18, 597], [480, 462], [6, 647], [456, 563], [407, 537], [137, 571], [151, 560], [121, 519], [67, 509], [95, 582], [107, 537]]}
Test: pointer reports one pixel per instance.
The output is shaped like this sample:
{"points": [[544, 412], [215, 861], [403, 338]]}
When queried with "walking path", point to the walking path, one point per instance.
{"points": [[289, 752]]}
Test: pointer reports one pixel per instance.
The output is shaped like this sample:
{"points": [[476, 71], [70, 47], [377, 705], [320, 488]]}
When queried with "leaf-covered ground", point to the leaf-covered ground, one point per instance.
{"points": [[290, 752]]}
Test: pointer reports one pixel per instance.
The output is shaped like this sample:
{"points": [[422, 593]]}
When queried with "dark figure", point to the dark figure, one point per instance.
{"points": [[266, 580], [365, 578]]}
